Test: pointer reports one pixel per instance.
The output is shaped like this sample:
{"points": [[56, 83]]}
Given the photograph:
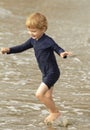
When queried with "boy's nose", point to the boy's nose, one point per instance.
{"points": [[29, 32]]}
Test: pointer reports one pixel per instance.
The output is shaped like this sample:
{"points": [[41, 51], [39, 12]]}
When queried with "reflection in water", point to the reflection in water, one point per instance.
{"points": [[19, 74]]}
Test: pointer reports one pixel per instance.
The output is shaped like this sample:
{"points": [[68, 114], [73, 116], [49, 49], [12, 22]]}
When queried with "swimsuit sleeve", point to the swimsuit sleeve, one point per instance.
{"points": [[57, 48], [21, 48]]}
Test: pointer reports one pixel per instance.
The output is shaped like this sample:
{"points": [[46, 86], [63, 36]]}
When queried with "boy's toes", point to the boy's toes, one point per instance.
{"points": [[46, 119]]}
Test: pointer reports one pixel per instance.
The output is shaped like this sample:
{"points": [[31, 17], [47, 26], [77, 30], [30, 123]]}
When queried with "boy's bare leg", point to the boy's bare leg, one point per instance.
{"points": [[45, 96], [52, 116], [49, 94]]}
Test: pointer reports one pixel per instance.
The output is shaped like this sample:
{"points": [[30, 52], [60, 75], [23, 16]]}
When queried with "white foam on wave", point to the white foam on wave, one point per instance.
{"points": [[5, 13], [12, 108]]}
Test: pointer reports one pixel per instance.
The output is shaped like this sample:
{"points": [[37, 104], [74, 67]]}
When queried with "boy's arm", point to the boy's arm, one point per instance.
{"points": [[57, 49], [17, 49], [61, 52]]}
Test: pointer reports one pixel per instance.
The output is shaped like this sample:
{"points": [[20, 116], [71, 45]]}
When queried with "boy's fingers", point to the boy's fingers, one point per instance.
{"points": [[3, 50], [69, 53]]}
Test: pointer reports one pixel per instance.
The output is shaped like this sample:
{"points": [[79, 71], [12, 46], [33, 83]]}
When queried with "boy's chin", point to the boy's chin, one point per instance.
{"points": [[35, 38]]}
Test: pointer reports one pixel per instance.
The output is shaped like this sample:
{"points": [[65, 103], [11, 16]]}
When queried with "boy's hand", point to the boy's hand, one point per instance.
{"points": [[65, 54], [5, 50]]}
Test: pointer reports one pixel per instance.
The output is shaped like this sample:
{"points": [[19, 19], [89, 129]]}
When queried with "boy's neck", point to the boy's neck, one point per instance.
{"points": [[39, 37]]}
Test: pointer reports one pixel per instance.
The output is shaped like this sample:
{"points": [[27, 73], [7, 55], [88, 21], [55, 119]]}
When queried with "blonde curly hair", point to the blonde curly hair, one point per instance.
{"points": [[37, 20]]}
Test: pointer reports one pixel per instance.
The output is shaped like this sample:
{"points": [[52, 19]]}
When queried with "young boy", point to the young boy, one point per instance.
{"points": [[44, 47]]}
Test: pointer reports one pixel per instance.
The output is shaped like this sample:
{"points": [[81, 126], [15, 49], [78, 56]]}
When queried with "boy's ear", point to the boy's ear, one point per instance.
{"points": [[44, 29]]}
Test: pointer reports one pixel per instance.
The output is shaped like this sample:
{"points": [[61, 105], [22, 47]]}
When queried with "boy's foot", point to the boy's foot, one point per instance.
{"points": [[57, 119], [52, 117]]}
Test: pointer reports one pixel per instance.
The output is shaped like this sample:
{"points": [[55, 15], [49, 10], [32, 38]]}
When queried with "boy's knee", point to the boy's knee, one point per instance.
{"points": [[39, 96]]}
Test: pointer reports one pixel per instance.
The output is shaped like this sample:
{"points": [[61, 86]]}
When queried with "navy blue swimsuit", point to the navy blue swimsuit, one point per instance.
{"points": [[44, 51]]}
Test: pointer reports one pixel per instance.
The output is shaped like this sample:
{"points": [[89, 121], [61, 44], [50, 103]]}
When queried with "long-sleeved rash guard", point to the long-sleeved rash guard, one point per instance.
{"points": [[44, 51]]}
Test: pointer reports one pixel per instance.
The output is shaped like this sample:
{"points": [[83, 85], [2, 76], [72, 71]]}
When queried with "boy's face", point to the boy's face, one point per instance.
{"points": [[36, 33]]}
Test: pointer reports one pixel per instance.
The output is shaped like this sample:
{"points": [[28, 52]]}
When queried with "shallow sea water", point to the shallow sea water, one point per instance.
{"points": [[69, 25]]}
